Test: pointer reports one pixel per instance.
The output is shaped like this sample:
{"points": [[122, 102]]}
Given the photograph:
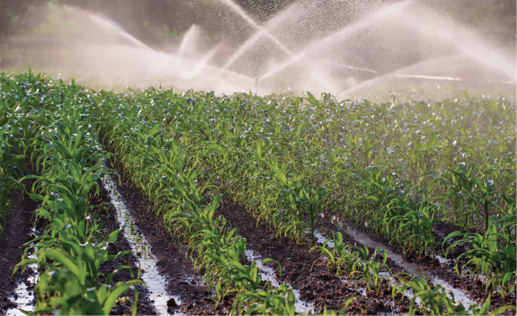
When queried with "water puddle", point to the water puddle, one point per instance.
{"points": [[156, 283], [411, 268], [24, 296], [268, 274]]}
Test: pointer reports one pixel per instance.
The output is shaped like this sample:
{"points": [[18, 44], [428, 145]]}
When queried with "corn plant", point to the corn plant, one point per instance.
{"points": [[437, 301], [294, 200], [493, 254], [11, 162], [71, 283], [340, 257], [413, 228], [475, 196], [368, 268], [278, 301], [313, 200]]}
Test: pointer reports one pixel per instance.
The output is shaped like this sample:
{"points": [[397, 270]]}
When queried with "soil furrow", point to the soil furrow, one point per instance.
{"points": [[315, 282], [182, 279], [17, 231], [474, 288], [109, 224]]}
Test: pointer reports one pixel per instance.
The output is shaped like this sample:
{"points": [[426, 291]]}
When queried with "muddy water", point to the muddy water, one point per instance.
{"points": [[268, 274], [413, 269], [24, 298], [155, 282]]}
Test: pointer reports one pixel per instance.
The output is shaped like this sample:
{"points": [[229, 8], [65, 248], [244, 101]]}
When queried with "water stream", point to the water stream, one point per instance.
{"points": [[24, 298], [268, 274], [411, 268], [353, 49], [155, 282]]}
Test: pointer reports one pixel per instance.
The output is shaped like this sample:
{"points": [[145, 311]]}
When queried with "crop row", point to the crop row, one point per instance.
{"points": [[13, 125], [244, 165], [72, 247], [395, 169], [169, 179]]}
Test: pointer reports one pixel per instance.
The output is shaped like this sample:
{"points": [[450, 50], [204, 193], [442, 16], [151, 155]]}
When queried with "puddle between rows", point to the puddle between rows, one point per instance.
{"points": [[268, 274], [384, 275], [155, 282], [23, 297], [411, 268]]}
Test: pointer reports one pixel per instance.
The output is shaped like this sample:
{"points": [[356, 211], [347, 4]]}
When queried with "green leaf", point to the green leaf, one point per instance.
{"points": [[114, 235], [113, 296], [503, 309]]}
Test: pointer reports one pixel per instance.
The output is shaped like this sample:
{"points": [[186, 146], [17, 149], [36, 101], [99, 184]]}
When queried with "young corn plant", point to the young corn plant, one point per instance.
{"points": [[437, 301], [413, 228], [277, 301], [339, 257], [299, 201], [474, 197], [10, 164], [368, 268], [313, 200], [493, 254], [70, 283]]}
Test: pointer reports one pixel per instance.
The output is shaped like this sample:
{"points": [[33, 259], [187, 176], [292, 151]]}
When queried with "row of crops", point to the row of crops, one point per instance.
{"points": [[395, 170], [62, 145]]}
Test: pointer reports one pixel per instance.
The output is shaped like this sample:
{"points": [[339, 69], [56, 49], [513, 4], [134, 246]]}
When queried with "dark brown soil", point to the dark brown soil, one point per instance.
{"points": [[314, 281], [17, 231], [182, 279], [474, 287]]}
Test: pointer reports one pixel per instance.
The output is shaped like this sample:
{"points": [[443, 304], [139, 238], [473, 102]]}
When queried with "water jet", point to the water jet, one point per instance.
{"points": [[334, 47]]}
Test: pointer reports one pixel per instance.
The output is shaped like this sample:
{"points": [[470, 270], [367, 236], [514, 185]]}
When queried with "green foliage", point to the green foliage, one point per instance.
{"points": [[368, 268], [356, 262], [339, 257], [493, 254], [438, 301], [395, 169], [58, 137]]}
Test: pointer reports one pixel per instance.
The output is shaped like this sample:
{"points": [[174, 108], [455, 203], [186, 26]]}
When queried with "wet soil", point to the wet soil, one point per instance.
{"points": [[17, 231], [110, 224], [182, 279], [301, 267], [473, 286], [314, 281]]}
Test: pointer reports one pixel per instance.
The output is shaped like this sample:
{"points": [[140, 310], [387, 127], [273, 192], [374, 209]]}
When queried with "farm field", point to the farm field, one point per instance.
{"points": [[251, 204]]}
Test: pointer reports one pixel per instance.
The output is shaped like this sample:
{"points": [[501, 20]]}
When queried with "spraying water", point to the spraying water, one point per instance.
{"points": [[353, 49]]}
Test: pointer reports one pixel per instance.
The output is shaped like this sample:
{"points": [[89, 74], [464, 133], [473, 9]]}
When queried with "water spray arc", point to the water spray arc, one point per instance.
{"points": [[260, 32], [347, 54]]}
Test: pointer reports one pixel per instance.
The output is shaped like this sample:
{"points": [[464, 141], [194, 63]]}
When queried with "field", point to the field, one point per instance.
{"points": [[255, 205]]}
